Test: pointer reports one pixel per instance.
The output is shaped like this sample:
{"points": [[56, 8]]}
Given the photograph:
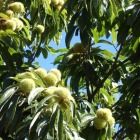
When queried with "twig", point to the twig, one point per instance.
{"points": [[115, 48], [115, 135]]}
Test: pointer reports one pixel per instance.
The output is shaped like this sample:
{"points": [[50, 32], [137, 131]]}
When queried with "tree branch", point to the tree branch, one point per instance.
{"points": [[87, 73], [114, 66], [115, 135], [86, 70]]}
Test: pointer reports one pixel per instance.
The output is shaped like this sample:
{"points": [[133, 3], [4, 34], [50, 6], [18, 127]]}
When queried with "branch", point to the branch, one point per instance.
{"points": [[115, 135], [87, 72], [114, 66], [115, 48]]}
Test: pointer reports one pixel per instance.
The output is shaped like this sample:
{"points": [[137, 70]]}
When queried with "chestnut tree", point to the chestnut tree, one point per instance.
{"points": [[93, 94]]}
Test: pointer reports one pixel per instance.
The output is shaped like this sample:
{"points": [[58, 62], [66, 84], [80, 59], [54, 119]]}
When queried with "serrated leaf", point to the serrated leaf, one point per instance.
{"points": [[34, 93]]}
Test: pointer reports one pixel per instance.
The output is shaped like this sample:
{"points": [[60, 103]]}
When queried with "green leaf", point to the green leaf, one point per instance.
{"points": [[126, 2], [95, 35], [3, 15], [103, 41], [76, 81], [90, 106], [107, 82], [6, 94], [136, 44], [106, 95], [96, 4], [114, 35], [60, 126], [62, 50], [12, 110], [109, 133], [138, 112], [69, 134], [34, 93], [35, 118], [83, 20], [86, 119], [45, 120], [27, 32], [57, 59], [52, 121], [73, 110], [69, 36], [116, 75], [50, 49], [108, 53], [26, 21], [103, 134], [45, 99], [123, 32], [31, 106], [44, 52], [7, 56]]}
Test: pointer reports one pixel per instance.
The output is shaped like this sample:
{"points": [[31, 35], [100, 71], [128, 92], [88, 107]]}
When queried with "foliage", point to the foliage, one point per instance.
{"points": [[95, 77]]}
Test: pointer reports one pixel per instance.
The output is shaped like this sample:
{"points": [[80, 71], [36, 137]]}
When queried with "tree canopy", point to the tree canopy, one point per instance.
{"points": [[93, 94]]}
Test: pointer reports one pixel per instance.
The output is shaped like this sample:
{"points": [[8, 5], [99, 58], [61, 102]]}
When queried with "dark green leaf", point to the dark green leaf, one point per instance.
{"points": [[6, 94], [60, 126], [123, 32], [53, 117], [69, 36]]}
